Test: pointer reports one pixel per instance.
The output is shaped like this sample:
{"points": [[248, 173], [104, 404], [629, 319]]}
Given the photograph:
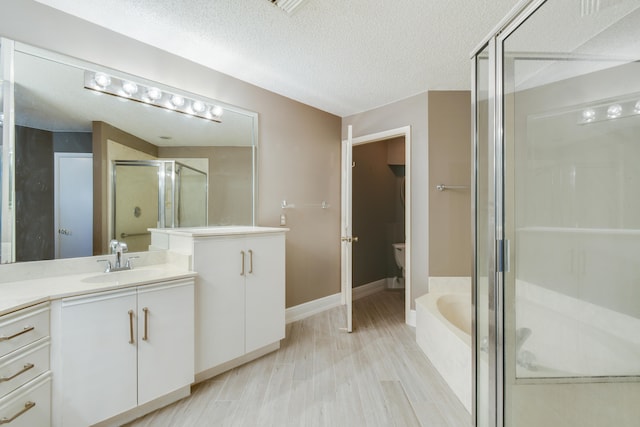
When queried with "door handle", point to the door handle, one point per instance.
{"points": [[17, 334], [242, 263], [24, 369], [250, 261], [145, 336], [28, 405], [131, 341]]}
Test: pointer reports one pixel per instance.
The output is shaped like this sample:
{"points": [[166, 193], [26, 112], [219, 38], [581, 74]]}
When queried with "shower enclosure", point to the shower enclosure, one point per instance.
{"points": [[155, 193], [557, 216]]}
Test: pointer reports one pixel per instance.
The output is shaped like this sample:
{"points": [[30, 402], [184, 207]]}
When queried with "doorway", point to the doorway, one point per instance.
{"points": [[73, 205], [349, 209]]}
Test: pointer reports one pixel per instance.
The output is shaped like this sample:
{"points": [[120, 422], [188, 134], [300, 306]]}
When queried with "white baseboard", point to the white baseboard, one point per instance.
{"points": [[369, 289], [410, 318], [307, 309]]}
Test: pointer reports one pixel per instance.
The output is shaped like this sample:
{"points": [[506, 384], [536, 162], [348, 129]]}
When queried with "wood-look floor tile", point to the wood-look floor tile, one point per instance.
{"points": [[324, 376]]}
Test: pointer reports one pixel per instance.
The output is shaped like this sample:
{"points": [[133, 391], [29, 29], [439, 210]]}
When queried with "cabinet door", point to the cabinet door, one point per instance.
{"points": [[219, 301], [265, 291], [165, 339], [98, 377]]}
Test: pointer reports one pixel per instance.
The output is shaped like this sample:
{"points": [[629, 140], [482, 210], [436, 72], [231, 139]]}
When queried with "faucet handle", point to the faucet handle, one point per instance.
{"points": [[129, 264], [108, 268], [123, 246]]}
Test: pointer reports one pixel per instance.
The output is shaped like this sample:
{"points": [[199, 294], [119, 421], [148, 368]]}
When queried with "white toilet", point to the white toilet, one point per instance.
{"points": [[399, 254]]}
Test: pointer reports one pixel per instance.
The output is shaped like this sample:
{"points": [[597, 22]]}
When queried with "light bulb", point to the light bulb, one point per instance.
{"points": [[216, 111], [636, 108], [589, 115], [102, 80], [153, 93], [198, 106], [177, 101], [614, 111], [129, 88]]}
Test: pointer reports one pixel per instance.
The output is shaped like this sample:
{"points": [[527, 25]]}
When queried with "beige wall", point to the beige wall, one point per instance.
{"points": [[450, 247], [298, 146]]}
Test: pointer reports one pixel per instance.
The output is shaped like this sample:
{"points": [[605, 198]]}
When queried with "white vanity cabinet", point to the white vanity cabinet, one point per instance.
{"points": [[240, 296], [240, 291], [25, 379], [121, 349]]}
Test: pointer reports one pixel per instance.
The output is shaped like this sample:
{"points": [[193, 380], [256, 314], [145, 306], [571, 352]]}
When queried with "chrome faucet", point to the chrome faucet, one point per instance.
{"points": [[118, 248]]}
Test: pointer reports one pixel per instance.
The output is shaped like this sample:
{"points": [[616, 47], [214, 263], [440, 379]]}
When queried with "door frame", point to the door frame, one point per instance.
{"points": [[405, 132]]}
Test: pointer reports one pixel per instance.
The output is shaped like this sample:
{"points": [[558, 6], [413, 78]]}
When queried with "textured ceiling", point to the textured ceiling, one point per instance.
{"points": [[340, 56]]}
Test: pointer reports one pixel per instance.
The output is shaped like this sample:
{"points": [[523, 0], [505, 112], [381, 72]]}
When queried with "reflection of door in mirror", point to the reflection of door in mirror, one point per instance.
{"points": [[73, 204]]}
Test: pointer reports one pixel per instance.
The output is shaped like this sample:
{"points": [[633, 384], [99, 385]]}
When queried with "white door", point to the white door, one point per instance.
{"points": [[220, 298], [265, 290], [347, 237], [98, 349], [73, 190], [165, 339]]}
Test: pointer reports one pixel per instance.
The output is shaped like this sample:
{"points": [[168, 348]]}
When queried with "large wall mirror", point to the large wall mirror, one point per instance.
{"points": [[91, 154]]}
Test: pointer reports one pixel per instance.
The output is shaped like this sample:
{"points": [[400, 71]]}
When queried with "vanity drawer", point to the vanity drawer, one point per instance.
{"points": [[23, 327], [23, 365], [29, 405]]}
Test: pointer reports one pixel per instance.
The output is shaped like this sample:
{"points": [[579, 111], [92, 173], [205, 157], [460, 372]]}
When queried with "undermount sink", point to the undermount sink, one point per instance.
{"points": [[124, 276]]}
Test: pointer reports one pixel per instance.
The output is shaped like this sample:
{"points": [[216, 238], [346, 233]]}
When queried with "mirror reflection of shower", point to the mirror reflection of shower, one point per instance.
{"points": [[168, 193]]}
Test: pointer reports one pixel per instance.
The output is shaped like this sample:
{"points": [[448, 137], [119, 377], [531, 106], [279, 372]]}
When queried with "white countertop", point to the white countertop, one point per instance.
{"points": [[219, 230], [24, 293]]}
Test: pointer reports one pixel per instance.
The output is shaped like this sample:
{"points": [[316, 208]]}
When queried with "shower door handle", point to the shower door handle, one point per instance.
{"points": [[504, 259]]}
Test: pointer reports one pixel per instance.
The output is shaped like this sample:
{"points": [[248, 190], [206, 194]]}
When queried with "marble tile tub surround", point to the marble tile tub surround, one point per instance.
{"points": [[447, 347], [25, 284]]}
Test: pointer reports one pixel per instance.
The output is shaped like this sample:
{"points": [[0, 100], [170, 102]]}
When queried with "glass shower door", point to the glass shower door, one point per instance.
{"points": [[136, 202], [571, 119], [483, 206]]}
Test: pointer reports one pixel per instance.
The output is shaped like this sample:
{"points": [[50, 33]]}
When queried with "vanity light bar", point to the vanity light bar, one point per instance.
{"points": [[104, 83], [610, 111]]}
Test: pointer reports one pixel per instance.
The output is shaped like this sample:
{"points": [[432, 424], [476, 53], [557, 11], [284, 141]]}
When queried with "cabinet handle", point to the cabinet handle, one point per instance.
{"points": [[28, 405], [24, 369], [242, 269], [146, 324], [131, 341], [250, 261], [17, 334]]}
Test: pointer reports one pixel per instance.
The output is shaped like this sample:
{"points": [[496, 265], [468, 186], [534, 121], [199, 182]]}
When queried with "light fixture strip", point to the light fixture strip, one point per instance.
{"points": [[150, 95], [610, 111]]}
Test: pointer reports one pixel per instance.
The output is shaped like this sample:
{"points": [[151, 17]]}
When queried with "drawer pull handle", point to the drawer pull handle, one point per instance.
{"points": [[17, 334], [131, 341], [22, 371], [145, 337], [27, 406]]}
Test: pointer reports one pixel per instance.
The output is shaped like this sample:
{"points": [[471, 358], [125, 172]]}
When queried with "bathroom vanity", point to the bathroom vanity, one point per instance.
{"points": [[240, 291], [81, 347]]}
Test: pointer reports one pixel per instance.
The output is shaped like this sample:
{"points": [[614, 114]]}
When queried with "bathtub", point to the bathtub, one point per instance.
{"points": [[443, 332], [568, 337], [573, 338]]}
